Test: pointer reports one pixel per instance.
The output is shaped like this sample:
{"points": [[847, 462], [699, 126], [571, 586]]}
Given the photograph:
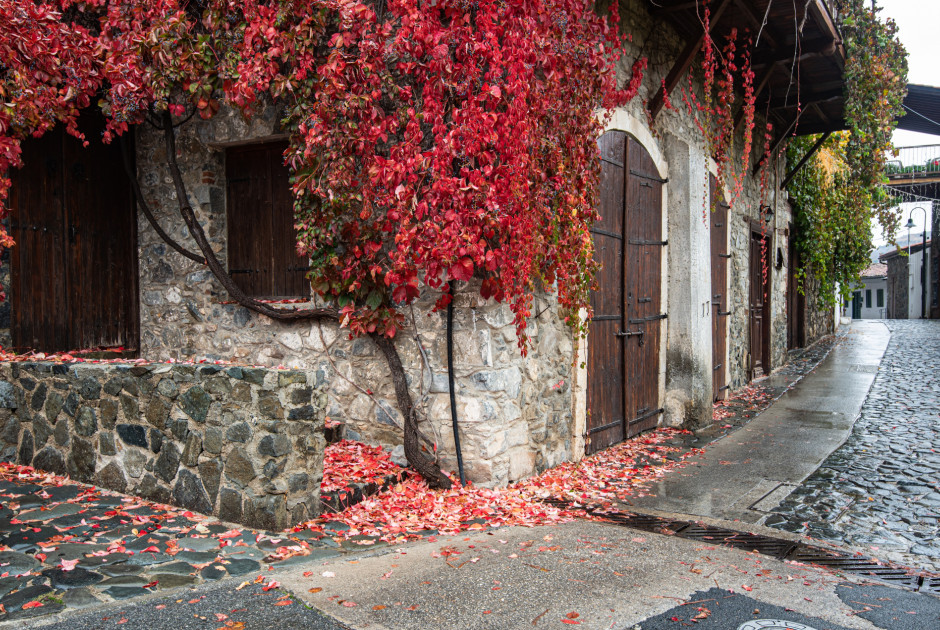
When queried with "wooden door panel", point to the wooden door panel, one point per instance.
{"points": [[74, 265], [605, 348], [759, 303], [643, 290], [101, 225], [718, 226], [38, 258], [623, 349]]}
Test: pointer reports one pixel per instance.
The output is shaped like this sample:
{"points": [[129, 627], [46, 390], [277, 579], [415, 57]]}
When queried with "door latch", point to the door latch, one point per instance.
{"points": [[631, 333]]}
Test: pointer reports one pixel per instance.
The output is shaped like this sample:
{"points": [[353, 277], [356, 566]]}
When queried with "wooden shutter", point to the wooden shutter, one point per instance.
{"points": [[262, 241], [74, 265]]}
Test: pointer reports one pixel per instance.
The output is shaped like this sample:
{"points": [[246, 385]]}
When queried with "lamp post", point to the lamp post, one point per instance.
{"points": [[923, 258]]}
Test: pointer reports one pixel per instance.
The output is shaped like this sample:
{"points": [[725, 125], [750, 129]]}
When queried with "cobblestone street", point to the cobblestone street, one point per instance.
{"points": [[880, 491]]}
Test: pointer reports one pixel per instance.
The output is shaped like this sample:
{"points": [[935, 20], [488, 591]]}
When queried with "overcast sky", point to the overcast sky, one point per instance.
{"points": [[919, 29]]}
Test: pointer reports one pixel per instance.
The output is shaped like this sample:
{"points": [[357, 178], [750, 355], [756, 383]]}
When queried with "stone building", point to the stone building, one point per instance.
{"points": [[908, 279], [869, 299], [695, 297]]}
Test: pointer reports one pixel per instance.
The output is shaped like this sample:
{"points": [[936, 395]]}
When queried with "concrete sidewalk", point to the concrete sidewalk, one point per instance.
{"points": [[600, 575], [747, 473]]}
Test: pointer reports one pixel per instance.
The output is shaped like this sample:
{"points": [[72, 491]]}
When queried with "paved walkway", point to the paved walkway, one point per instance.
{"points": [[745, 475], [881, 490]]}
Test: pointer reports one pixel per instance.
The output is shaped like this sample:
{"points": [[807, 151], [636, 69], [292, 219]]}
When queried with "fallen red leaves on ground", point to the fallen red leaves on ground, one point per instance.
{"points": [[750, 397], [348, 462], [409, 508]]}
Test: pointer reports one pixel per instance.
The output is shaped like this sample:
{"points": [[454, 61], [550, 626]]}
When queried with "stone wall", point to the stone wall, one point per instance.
{"points": [[244, 444], [819, 316], [898, 279], [514, 411], [689, 347]]}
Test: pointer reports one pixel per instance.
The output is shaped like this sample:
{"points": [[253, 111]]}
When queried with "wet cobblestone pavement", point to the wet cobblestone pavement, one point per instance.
{"points": [[880, 491], [65, 545]]}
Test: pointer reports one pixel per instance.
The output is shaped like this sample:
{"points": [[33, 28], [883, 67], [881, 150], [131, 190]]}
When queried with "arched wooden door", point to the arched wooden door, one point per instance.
{"points": [[719, 245], [624, 339]]}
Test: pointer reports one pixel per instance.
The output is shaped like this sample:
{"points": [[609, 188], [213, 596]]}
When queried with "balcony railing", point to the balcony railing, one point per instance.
{"points": [[914, 162]]}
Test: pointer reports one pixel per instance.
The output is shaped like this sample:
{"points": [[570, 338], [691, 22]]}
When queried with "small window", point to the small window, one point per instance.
{"points": [[867, 298], [881, 297], [262, 241]]}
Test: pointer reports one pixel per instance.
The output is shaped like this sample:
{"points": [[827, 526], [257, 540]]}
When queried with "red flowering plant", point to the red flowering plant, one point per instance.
{"points": [[431, 141]]}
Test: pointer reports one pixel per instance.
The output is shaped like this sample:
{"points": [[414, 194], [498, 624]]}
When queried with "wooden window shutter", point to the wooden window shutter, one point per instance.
{"points": [[262, 241]]}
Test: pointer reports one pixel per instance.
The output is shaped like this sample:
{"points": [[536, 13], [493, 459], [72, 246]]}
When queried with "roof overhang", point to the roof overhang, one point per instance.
{"points": [[922, 109], [798, 57]]}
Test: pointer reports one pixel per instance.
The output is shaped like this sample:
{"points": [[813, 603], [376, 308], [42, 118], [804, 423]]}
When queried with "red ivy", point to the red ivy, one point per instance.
{"points": [[431, 141]]}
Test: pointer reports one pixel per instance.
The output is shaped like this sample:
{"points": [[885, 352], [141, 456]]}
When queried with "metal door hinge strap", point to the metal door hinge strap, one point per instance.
{"points": [[723, 313], [611, 161], [648, 176], [606, 233], [648, 414], [723, 388], [604, 427], [636, 241], [651, 318], [724, 255]]}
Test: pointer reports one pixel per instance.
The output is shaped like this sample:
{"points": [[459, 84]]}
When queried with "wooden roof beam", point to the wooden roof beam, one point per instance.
{"points": [[757, 23], [758, 90], [804, 159], [806, 99], [682, 64], [807, 50]]}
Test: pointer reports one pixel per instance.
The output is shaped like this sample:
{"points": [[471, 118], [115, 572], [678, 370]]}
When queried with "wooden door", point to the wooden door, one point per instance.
{"points": [[606, 424], [796, 301], [262, 240], [718, 225], [760, 304], [623, 346], [643, 289], [74, 265]]}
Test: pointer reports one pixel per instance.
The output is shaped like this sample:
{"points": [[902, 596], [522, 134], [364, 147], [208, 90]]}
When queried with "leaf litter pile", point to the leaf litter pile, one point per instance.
{"points": [[409, 508]]}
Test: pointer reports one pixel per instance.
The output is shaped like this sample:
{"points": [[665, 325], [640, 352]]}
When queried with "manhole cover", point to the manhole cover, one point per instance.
{"points": [[763, 624]]}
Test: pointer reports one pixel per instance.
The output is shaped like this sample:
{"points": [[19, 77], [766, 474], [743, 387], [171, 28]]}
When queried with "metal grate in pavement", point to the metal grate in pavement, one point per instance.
{"points": [[776, 547]]}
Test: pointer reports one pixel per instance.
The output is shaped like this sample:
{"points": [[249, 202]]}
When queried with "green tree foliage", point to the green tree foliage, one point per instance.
{"points": [[838, 194]]}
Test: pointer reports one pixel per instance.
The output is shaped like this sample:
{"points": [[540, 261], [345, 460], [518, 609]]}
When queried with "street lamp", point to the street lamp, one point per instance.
{"points": [[923, 258]]}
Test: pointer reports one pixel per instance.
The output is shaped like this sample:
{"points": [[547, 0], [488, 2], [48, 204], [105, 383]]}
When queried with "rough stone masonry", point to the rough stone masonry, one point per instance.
{"points": [[244, 444]]}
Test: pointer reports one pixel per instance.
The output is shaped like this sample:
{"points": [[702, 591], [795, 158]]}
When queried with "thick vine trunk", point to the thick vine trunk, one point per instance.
{"points": [[416, 459]]}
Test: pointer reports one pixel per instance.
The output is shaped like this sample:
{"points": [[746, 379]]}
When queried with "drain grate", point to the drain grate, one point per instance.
{"points": [[858, 565], [931, 585], [776, 547], [766, 545], [643, 522]]}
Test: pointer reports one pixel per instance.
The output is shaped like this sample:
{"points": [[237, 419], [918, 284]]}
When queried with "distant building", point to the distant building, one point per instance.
{"points": [[869, 300], [905, 282]]}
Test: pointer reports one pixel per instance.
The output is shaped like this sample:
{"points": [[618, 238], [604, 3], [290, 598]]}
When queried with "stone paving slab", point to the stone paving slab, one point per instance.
{"points": [[66, 546]]}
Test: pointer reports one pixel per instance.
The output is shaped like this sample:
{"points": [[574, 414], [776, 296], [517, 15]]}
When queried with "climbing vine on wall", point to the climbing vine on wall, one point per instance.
{"points": [[727, 88], [431, 140], [833, 226], [838, 194]]}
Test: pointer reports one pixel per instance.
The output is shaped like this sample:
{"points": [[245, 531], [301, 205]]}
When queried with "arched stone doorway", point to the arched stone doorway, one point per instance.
{"points": [[624, 337]]}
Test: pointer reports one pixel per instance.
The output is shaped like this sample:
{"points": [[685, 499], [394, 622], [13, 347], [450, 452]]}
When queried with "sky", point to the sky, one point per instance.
{"points": [[918, 27]]}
